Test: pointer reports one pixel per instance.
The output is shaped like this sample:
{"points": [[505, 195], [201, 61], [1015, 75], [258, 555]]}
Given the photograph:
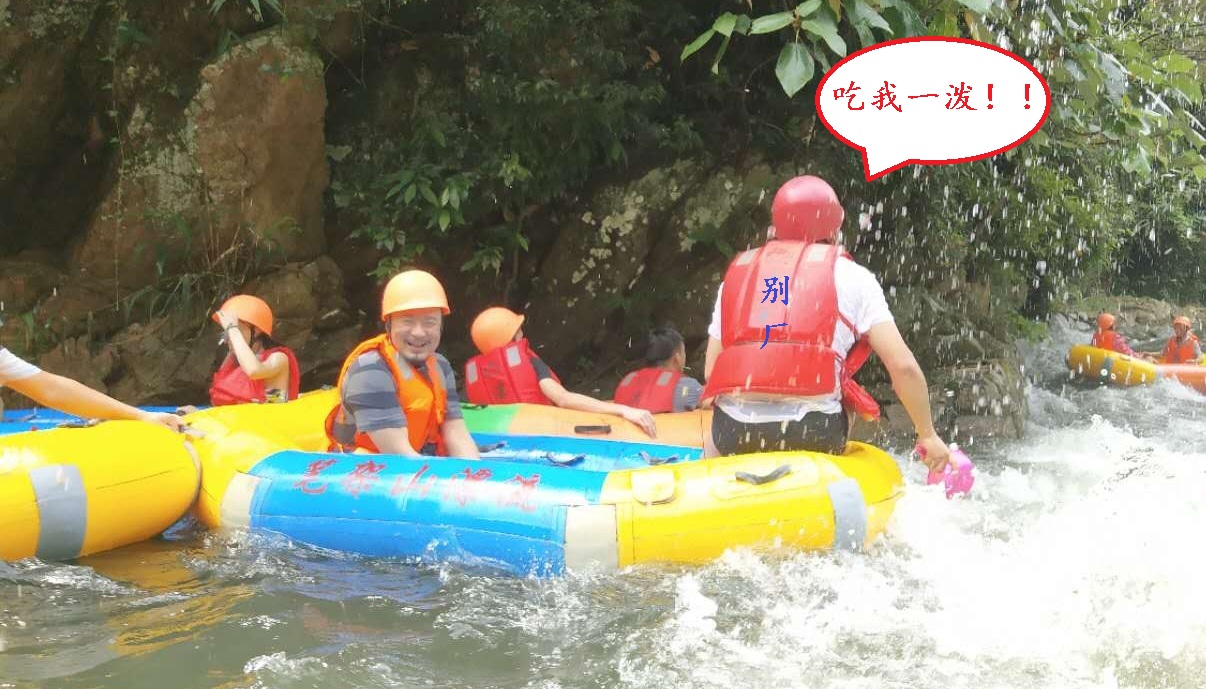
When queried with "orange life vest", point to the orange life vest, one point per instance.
{"points": [[1111, 340], [1183, 352], [650, 388], [423, 401], [505, 376], [231, 385], [799, 358]]}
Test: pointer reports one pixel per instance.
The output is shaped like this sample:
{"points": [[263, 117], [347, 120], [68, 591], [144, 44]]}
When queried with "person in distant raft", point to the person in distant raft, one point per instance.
{"points": [[1108, 338], [661, 386], [508, 372], [1183, 346], [397, 395], [794, 320], [256, 369], [67, 395]]}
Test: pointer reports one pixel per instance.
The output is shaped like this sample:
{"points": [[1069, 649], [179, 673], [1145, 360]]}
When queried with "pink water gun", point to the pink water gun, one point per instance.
{"points": [[958, 474]]}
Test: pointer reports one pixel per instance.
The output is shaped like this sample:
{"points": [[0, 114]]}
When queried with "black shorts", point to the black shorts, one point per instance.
{"points": [[816, 432]]}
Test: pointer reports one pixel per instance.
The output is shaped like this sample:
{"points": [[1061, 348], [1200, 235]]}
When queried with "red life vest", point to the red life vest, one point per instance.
{"points": [[799, 359], [1111, 340], [505, 376], [424, 402], [1181, 353], [649, 388], [232, 386]]}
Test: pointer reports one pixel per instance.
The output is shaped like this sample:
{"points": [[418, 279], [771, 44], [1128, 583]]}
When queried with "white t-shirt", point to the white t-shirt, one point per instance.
{"points": [[13, 367], [861, 300]]}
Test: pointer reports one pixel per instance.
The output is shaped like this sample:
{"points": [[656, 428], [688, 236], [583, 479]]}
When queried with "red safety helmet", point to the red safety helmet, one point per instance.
{"points": [[806, 209]]}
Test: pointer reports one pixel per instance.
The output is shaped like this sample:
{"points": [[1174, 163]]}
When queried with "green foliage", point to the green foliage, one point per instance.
{"points": [[815, 30], [195, 264], [1119, 163], [517, 104]]}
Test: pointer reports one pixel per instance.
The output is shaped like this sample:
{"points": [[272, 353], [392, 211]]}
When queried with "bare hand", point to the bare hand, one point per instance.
{"points": [[935, 454], [226, 320], [170, 420], [642, 418]]}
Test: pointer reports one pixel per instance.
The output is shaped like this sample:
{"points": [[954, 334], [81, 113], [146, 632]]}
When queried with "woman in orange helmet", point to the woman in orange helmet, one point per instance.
{"points": [[507, 372], [256, 369], [1183, 346], [1108, 338]]}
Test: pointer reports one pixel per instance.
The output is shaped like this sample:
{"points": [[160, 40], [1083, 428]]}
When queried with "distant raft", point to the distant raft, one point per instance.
{"points": [[1112, 368], [69, 492], [544, 505]]}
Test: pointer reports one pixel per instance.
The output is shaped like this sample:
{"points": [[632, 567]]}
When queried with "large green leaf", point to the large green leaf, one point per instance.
{"points": [[805, 9], [699, 42], [863, 14], [724, 24], [795, 68], [724, 45], [771, 22], [824, 28]]}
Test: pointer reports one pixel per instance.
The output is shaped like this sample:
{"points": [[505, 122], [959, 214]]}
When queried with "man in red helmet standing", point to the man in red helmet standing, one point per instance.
{"points": [[794, 320]]}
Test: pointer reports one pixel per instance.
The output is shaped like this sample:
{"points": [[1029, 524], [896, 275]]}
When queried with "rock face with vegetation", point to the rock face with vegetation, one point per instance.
{"points": [[566, 158]]}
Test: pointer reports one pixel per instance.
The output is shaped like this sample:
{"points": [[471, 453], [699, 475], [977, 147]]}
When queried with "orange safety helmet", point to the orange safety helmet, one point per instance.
{"points": [[806, 209], [1105, 321], [410, 290], [494, 328], [248, 309], [1182, 320]]}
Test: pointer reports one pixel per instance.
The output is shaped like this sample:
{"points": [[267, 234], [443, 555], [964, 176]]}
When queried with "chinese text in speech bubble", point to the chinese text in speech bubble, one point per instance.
{"points": [[931, 100]]}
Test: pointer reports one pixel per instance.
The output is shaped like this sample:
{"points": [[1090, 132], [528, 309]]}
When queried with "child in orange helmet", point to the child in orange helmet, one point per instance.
{"points": [[256, 369], [507, 372]]}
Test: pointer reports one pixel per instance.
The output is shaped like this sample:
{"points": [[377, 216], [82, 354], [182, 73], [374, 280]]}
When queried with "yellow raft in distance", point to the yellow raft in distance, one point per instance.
{"points": [[69, 492]]}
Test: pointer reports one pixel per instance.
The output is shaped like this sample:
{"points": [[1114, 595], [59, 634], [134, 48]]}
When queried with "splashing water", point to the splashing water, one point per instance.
{"points": [[1075, 563]]}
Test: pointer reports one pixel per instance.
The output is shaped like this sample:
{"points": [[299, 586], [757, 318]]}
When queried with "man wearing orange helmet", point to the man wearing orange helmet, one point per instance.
{"points": [[780, 369], [1108, 338], [1183, 346], [72, 397], [397, 395], [508, 372], [256, 369]]}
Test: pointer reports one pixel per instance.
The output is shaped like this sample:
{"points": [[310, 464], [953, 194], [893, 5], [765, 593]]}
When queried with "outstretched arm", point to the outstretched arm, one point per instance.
{"points": [[67, 395], [908, 381], [571, 400]]}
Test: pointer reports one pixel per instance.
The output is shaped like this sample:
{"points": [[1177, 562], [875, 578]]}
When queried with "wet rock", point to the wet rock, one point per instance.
{"points": [[75, 359], [24, 282], [167, 360], [599, 254], [244, 172], [43, 124], [258, 118]]}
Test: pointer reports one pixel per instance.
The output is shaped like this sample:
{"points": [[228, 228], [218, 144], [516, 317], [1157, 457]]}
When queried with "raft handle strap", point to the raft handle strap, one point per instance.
{"points": [[85, 423], [564, 461], [602, 429], [757, 480], [483, 449], [654, 461]]}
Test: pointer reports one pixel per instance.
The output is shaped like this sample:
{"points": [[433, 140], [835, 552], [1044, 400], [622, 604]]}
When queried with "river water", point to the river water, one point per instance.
{"points": [[1077, 563]]}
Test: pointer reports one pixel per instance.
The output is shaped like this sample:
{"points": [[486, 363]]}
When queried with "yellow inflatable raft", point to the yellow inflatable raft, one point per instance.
{"points": [[532, 503], [69, 492]]}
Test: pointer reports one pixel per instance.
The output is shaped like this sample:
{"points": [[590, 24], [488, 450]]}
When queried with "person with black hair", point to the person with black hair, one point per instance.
{"points": [[661, 386], [257, 369]]}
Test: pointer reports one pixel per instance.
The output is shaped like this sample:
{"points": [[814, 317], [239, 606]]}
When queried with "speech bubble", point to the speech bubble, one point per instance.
{"points": [[931, 100]]}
